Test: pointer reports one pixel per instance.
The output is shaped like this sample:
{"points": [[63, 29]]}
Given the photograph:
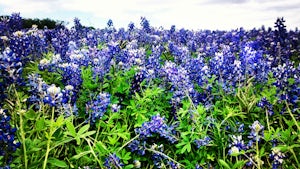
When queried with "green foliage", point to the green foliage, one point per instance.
{"points": [[150, 102], [89, 87], [50, 140]]}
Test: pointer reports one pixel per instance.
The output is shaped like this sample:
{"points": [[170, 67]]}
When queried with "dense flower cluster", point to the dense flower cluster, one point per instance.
{"points": [[266, 105], [11, 69], [98, 107], [257, 131], [113, 162], [237, 145], [53, 95], [158, 126], [277, 158], [202, 142], [8, 144]]}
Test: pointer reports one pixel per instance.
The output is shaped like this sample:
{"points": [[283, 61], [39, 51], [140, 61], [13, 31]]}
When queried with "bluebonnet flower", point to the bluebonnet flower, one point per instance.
{"points": [[137, 80], [277, 158], [11, 68], [113, 162], [60, 41], [287, 83], [197, 166], [237, 145], [266, 105], [110, 23], [37, 89], [68, 109], [239, 128], [137, 164], [145, 25], [181, 54], [71, 74], [130, 26], [102, 61], [98, 107], [77, 25], [15, 22], [136, 57], [19, 43], [203, 142], [254, 63], [138, 146], [159, 158], [115, 108], [180, 82], [156, 126], [53, 96], [257, 131], [8, 144]]}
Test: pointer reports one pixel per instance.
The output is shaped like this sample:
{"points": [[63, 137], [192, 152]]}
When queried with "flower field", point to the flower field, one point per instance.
{"points": [[145, 97]]}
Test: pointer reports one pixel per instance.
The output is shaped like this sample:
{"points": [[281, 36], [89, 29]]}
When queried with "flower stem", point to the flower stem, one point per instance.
{"points": [[128, 142], [291, 114], [21, 128], [23, 140], [93, 152], [49, 139], [268, 123], [166, 156], [257, 154]]}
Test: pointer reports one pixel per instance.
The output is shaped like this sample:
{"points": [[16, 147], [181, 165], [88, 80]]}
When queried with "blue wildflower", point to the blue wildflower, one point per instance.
{"points": [[203, 142], [277, 158], [53, 96], [8, 144], [98, 107], [113, 162], [257, 131]]}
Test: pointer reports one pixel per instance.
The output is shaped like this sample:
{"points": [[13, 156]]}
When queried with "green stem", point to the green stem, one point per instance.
{"points": [[23, 140], [166, 156], [291, 114], [257, 155], [49, 139], [21, 127], [250, 159], [268, 123], [128, 142], [92, 151], [296, 159]]}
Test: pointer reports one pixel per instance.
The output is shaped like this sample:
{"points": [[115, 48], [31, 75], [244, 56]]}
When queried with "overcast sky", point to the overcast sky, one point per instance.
{"points": [[189, 14]]}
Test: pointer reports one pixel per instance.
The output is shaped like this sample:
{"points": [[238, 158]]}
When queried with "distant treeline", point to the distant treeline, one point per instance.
{"points": [[43, 23]]}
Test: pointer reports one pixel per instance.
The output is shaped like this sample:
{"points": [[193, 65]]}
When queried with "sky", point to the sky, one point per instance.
{"points": [[188, 14]]}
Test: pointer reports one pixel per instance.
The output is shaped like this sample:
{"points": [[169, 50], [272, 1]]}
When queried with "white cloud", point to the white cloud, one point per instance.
{"points": [[192, 14]]}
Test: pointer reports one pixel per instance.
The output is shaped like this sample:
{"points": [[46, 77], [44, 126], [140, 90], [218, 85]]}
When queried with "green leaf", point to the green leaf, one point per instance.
{"points": [[77, 140], [187, 147], [83, 129], [224, 164], [124, 135], [87, 134], [57, 163], [60, 121], [101, 146], [112, 140], [71, 128], [40, 124], [30, 114], [262, 151], [77, 156], [129, 166], [239, 164]]}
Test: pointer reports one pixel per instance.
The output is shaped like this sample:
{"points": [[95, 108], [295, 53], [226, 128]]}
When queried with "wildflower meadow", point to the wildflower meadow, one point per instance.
{"points": [[147, 97]]}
